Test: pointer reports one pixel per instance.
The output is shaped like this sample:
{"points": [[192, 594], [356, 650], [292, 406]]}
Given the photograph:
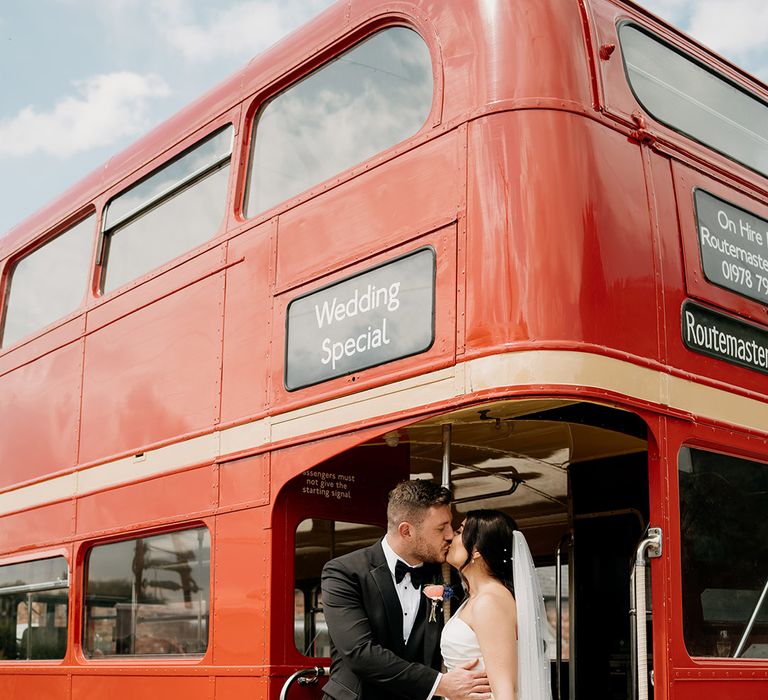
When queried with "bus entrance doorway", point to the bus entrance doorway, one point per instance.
{"points": [[609, 499], [574, 476], [579, 493]]}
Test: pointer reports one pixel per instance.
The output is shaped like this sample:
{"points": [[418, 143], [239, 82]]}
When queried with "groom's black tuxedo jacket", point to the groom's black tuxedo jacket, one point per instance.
{"points": [[369, 660]]}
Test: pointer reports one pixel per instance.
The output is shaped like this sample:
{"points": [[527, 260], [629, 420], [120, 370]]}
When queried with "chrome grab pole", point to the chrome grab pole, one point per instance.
{"points": [[650, 547], [632, 634], [304, 676], [559, 616], [743, 641], [446, 455], [448, 609]]}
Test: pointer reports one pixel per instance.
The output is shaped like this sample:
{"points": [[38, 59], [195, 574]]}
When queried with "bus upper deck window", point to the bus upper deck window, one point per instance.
{"points": [[48, 283], [692, 99], [34, 604], [724, 552], [366, 100], [176, 208]]}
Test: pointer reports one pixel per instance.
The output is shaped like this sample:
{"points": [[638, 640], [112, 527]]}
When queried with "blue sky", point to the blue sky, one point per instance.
{"points": [[81, 79]]}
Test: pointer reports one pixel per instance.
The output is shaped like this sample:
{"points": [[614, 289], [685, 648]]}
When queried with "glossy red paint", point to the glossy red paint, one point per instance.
{"points": [[559, 221], [570, 255]]}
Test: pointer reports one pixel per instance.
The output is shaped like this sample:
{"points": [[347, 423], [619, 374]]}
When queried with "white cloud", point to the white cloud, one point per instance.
{"points": [[243, 29], [671, 10], [106, 109], [733, 27]]}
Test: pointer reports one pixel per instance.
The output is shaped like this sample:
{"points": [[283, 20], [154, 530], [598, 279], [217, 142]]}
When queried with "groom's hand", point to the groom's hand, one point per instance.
{"points": [[464, 684]]}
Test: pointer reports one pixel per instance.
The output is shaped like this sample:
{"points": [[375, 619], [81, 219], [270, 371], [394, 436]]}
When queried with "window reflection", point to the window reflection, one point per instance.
{"points": [[175, 226], [34, 605], [724, 548], [149, 596], [48, 283], [368, 99], [689, 98], [209, 152], [318, 541], [175, 209]]}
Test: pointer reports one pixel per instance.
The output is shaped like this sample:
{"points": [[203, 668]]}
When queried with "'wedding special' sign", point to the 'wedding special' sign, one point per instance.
{"points": [[375, 317]]}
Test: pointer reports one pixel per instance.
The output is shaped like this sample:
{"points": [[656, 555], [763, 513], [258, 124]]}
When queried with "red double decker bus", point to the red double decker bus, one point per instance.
{"points": [[520, 248]]}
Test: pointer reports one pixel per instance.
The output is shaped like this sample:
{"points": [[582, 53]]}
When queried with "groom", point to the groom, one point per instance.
{"points": [[382, 644]]}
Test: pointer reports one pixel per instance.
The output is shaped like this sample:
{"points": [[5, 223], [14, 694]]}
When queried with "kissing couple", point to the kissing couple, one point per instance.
{"points": [[387, 636]]}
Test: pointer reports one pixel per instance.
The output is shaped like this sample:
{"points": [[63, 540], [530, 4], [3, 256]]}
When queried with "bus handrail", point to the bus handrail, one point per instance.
{"points": [[304, 676], [751, 623], [564, 542], [650, 547]]}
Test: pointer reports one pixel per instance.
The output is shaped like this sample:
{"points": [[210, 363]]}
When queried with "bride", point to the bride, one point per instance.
{"points": [[502, 620]]}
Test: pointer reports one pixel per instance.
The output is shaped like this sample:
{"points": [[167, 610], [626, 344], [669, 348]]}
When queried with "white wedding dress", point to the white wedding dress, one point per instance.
{"points": [[459, 644]]}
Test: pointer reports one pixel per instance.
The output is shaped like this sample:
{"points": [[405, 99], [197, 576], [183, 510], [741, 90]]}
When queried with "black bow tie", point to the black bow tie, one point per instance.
{"points": [[416, 572]]}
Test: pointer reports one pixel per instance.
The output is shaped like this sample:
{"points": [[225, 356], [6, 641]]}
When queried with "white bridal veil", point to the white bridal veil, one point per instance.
{"points": [[533, 679]]}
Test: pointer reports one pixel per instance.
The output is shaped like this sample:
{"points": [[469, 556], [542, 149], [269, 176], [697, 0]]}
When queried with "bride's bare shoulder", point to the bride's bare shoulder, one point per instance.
{"points": [[493, 601]]}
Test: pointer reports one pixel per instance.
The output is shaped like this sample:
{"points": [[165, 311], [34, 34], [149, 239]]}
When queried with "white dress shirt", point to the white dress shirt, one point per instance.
{"points": [[409, 597]]}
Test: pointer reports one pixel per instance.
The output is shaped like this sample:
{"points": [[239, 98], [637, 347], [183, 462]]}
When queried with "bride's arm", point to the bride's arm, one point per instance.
{"points": [[495, 624]]}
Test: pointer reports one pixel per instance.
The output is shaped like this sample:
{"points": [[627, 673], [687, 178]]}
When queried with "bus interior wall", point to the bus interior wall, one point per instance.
{"points": [[609, 498]]}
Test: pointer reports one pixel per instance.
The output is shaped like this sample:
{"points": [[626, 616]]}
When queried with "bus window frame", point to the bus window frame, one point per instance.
{"points": [[231, 118], [691, 57], [178, 185], [78, 588], [72, 601], [8, 267], [313, 61], [615, 101], [705, 438]]}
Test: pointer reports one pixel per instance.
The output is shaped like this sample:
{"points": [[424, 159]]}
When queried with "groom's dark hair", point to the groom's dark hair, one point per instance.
{"points": [[410, 500]]}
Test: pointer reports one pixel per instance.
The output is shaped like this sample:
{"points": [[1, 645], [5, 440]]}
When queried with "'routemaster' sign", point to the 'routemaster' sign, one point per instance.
{"points": [[375, 317], [724, 337], [734, 246]]}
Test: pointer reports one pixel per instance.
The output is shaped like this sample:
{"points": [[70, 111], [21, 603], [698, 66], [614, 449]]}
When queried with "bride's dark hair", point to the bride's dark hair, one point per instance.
{"points": [[490, 532]]}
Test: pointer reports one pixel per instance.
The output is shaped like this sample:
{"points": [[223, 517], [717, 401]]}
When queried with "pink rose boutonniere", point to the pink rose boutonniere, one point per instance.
{"points": [[437, 593]]}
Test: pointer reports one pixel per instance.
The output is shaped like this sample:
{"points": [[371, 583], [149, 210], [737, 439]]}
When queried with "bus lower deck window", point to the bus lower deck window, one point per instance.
{"points": [[724, 550], [149, 596], [34, 606]]}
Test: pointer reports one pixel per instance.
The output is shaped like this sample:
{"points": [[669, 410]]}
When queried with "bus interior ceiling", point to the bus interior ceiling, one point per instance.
{"points": [[516, 455]]}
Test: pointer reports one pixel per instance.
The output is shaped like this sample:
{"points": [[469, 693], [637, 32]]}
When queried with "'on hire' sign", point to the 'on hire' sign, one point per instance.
{"points": [[374, 317]]}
